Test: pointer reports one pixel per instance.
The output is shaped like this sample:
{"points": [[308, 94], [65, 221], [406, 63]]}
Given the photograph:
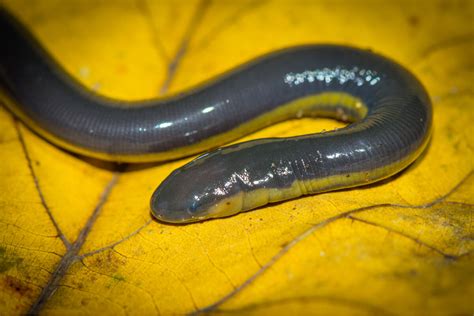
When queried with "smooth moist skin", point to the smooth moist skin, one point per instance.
{"points": [[388, 110]]}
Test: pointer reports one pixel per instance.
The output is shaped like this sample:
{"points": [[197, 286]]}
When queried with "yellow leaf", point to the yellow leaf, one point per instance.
{"points": [[77, 234]]}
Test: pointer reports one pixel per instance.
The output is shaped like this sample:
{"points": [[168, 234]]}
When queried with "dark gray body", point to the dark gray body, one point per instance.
{"points": [[396, 126]]}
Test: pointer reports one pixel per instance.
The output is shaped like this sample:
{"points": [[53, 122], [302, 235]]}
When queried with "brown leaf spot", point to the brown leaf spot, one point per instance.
{"points": [[85, 301], [109, 261], [413, 20], [17, 286]]}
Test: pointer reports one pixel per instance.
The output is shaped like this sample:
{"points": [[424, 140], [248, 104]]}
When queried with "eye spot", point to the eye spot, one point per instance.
{"points": [[193, 207], [227, 203]]}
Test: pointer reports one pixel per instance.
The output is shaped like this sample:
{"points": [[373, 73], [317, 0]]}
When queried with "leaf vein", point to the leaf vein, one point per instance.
{"points": [[317, 226]]}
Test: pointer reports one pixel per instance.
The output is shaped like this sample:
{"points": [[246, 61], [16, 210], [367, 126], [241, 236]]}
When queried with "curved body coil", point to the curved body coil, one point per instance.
{"points": [[388, 110]]}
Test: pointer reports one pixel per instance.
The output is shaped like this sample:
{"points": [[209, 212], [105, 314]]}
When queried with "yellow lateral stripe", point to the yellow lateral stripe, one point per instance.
{"points": [[257, 198], [313, 105]]}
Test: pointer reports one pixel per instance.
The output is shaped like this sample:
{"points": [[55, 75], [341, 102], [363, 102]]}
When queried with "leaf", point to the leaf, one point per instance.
{"points": [[77, 234]]}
